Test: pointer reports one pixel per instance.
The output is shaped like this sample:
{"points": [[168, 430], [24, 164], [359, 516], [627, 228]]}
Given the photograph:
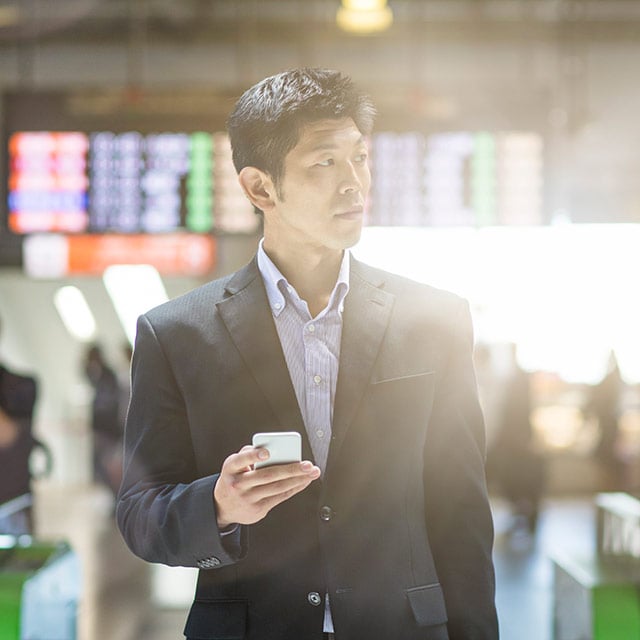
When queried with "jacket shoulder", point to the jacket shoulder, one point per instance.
{"points": [[199, 303], [405, 289]]}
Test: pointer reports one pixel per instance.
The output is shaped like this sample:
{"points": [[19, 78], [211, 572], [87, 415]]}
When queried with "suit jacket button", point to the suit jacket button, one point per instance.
{"points": [[208, 563], [314, 598], [326, 513]]}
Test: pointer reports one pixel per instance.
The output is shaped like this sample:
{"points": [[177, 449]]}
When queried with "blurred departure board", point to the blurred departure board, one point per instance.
{"points": [[456, 179], [122, 161], [154, 162], [129, 182]]}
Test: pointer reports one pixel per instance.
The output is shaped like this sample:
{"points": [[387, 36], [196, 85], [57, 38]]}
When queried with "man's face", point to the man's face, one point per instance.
{"points": [[320, 197]]}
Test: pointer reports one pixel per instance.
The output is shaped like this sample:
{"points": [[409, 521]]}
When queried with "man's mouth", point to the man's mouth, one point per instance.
{"points": [[352, 213]]}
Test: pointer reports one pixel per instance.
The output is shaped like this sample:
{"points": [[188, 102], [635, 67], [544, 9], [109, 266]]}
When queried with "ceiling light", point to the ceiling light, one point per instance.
{"points": [[75, 313], [364, 16], [9, 16]]}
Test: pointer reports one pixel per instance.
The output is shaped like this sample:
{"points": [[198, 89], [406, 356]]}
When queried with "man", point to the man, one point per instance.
{"points": [[384, 531], [17, 402], [106, 425]]}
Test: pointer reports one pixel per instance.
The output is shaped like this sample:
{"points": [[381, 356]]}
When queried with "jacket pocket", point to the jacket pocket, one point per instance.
{"points": [[427, 604], [404, 402], [405, 378], [217, 620]]}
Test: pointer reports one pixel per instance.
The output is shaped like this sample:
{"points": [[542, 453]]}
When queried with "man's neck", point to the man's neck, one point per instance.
{"points": [[312, 274]]}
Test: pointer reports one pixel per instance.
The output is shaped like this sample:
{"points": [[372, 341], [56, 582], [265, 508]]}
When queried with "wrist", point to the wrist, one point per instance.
{"points": [[221, 521]]}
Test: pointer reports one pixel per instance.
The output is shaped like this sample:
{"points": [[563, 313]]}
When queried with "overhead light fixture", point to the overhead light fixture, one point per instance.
{"points": [[364, 16], [75, 313], [9, 16]]}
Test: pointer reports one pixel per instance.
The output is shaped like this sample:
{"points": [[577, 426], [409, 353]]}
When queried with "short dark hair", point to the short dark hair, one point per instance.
{"points": [[266, 121]]}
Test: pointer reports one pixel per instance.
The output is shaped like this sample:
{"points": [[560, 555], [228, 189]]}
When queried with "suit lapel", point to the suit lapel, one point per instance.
{"points": [[367, 311], [248, 318]]}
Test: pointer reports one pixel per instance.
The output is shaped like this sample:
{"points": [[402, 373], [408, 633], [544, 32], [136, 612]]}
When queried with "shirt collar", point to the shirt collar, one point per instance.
{"points": [[273, 277]]}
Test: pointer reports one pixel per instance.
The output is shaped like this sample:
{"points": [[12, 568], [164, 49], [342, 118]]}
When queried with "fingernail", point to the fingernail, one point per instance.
{"points": [[263, 454], [306, 466]]}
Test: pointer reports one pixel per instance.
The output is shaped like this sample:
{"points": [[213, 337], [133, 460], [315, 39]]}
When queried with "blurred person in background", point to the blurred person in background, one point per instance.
{"points": [[106, 417], [603, 404], [17, 402], [514, 463], [384, 529]]}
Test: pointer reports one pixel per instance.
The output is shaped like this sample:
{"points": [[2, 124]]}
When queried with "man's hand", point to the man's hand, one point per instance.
{"points": [[245, 495]]}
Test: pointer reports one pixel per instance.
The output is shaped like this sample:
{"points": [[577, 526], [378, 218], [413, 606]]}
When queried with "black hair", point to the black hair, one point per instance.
{"points": [[266, 121]]}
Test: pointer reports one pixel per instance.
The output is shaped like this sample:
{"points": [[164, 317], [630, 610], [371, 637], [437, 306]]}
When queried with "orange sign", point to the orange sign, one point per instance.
{"points": [[171, 254]]}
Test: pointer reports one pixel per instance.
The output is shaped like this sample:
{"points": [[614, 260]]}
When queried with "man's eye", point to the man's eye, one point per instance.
{"points": [[325, 163], [361, 157]]}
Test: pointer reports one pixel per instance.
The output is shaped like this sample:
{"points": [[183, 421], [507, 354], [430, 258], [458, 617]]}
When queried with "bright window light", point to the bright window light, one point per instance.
{"points": [[75, 313], [564, 294], [133, 289]]}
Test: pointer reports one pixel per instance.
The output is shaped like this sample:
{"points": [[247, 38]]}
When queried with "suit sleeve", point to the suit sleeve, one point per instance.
{"points": [[165, 512], [457, 507]]}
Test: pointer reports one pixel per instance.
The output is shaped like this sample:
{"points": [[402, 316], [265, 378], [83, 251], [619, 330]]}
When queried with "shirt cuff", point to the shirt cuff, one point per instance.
{"points": [[227, 531], [231, 540]]}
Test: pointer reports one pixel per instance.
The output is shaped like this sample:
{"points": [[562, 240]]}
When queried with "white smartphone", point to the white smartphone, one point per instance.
{"points": [[284, 447]]}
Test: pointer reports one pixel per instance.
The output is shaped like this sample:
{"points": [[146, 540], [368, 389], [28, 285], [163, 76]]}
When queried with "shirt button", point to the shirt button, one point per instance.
{"points": [[320, 433], [317, 379], [311, 328], [314, 598], [326, 513], [277, 306]]}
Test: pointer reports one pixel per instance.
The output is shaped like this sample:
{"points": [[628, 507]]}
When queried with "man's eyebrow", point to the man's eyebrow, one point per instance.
{"points": [[330, 146]]}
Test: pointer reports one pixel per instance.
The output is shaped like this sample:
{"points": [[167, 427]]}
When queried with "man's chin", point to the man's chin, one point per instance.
{"points": [[353, 244], [353, 241], [346, 242]]}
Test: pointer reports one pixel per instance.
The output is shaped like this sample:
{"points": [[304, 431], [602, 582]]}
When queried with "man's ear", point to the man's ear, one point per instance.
{"points": [[258, 187]]}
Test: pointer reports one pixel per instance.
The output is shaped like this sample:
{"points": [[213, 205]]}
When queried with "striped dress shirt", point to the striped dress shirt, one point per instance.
{"points": [[311, 348]]}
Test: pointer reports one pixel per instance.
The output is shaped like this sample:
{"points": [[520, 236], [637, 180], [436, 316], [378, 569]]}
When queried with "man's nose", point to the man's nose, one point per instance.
{"points": [[351, 180]]}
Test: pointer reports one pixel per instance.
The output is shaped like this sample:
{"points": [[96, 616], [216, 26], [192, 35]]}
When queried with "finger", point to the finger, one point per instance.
{"points": [[247, 447], [255, 485], [270, 480], [290, 484], [273, 473], [246, 457]]}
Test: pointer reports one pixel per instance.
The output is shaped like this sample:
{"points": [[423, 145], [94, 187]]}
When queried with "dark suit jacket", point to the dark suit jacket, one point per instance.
{"points": [[398, 531], [17, 399]]}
